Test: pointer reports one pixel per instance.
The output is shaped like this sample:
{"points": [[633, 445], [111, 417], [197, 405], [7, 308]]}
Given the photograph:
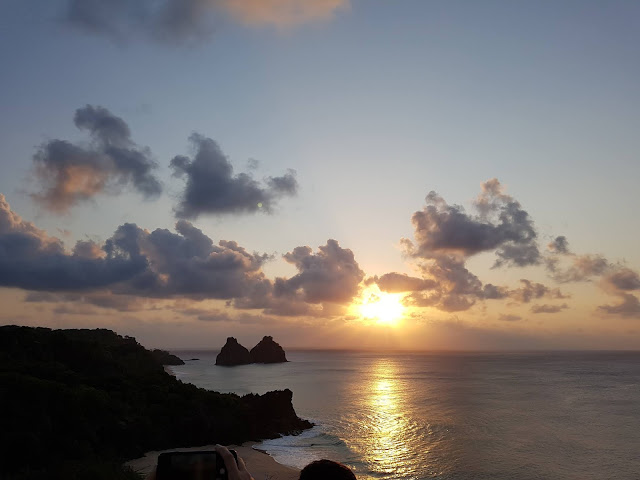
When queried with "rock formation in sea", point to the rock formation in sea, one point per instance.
{"points": [[267, 351], [233, 354]]}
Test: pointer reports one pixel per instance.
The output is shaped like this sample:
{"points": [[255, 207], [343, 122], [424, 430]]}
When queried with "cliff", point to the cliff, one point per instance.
{"points": [[232, 353], [165, 358], [267, 351], [75, 403]]}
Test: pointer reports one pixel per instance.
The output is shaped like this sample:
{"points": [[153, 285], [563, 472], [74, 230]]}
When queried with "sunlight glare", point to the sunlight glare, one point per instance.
{"points": [[386, 308]]}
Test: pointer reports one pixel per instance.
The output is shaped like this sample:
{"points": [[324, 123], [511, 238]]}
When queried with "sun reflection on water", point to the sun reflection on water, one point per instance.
{"points": [[386, 424]]}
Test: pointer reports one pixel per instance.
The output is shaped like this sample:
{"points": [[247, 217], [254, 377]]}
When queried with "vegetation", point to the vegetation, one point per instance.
{"points": [[75, 403]]}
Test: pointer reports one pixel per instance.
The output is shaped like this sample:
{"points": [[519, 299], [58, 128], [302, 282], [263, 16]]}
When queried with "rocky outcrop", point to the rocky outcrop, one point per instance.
{"points": [[166, 358], [267, 351], [272, 412], [67, 385], [233, 354]]}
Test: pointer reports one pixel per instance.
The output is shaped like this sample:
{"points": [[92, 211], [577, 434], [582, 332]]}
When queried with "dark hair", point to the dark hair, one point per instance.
{"points": [[326, 469]]}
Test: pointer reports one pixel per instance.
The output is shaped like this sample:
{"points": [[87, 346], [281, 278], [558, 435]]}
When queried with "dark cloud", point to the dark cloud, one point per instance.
{"points": [[457, 289], [623, 279], [132, 262], [445, 236], [560, 245], [454, 288], [548, 308], [187, 263], [213, 188], [501, 226], [517, 255], [331, 275], [169, 21], [69, 174], [187, 21], [399, 282], [620, 282], [532, 291], [493, 292], [629, 306], [32, 260], [452, 276]]}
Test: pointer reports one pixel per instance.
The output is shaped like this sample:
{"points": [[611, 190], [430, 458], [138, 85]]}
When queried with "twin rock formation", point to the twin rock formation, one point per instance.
{"points": [[266, 351]]}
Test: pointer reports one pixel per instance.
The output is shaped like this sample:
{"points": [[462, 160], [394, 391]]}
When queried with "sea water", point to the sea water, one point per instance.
{"points": [[457, 416]]}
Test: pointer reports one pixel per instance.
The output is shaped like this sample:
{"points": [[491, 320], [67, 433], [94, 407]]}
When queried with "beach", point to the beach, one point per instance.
{"points": [[261, 465]]}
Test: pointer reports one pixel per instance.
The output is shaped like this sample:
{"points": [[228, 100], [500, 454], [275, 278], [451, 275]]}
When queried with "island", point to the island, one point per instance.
{"points": [[232, 353], [76, 403], [266, 351]]}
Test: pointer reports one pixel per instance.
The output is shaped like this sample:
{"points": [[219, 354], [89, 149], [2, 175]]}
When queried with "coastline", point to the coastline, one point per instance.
{"points": [[260, 464]]}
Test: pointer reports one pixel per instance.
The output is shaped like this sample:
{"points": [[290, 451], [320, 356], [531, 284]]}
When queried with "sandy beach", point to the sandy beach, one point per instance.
{"points": [[261, 465]]}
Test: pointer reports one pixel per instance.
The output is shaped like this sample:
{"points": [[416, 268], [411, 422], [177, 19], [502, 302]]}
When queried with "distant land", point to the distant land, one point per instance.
{"points": [[76, 403]]}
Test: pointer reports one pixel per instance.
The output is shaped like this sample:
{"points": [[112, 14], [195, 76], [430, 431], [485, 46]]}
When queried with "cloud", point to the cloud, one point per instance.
{"points": [[281, 13], [559, 245], [501, 226], [32, 260], [455, 289], [548, 308], [493, 292], [582, 268], [68, 174], [212, 188], [331, 275], [187, 263], [620, 282], [629, 306], [106, 300], [188, 21], [509, 318], [133, 262], [533, 290], [399, 282], [622, 279], [445, 236]]}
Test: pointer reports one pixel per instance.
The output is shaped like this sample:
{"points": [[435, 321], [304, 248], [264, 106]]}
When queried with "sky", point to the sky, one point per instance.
{"points": [[412, 175]]}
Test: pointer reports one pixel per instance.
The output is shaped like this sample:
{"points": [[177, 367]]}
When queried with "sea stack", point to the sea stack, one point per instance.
{"points": [[233, 354], [268, 351]]}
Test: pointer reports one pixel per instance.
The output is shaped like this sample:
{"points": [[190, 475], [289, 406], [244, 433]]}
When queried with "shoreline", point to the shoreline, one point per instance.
{"points": [[260, 464]]}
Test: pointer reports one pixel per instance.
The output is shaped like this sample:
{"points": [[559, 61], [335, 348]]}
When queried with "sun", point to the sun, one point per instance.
{"points": [[385, 308]]}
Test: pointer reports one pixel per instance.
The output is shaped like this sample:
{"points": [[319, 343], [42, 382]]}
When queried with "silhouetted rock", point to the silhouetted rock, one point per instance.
{"points": [[233, 354], [166, 358], [86, 400], [267, 351]]}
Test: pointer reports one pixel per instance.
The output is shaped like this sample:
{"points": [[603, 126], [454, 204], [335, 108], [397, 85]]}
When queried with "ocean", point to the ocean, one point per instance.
{"points": [[454, 416]]}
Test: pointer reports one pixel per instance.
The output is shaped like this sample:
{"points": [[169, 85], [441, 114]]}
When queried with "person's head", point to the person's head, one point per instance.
{"points": [[326, 469]]}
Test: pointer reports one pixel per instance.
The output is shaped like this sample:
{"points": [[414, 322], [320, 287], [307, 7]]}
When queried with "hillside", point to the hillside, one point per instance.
{"points": [[75, 403]]}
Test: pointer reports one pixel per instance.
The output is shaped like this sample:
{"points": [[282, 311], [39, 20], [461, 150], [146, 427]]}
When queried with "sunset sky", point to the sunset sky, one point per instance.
{"points": [[427, 175]]}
